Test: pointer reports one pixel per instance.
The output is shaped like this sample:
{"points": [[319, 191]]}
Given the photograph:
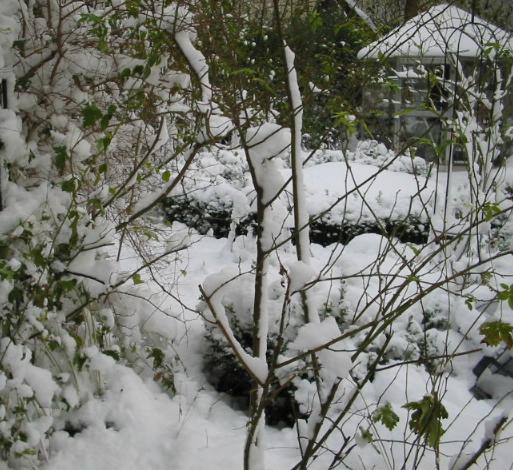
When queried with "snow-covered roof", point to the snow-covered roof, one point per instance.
{"points": [[441, 30]]}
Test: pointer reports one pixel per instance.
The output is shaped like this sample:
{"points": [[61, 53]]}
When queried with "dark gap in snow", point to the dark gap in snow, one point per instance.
{"points": [[226, 375], [201, 217]]}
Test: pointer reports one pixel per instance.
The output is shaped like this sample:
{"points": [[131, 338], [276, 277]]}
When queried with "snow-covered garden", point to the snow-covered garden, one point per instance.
{"points": [[184, 284]]}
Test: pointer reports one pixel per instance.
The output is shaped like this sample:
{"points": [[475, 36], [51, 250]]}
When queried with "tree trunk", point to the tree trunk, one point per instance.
{"points": [[411, 8]]}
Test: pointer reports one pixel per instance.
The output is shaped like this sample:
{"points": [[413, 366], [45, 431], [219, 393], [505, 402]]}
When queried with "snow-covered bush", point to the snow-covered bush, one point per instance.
{"points": [[81, 135], [221, 366], [111, 110], [371, 152], [218, 191]]}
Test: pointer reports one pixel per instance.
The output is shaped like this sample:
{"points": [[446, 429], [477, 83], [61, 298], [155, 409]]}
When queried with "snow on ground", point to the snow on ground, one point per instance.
{"points": [[219, 183], [135, 425], [385, 194]]}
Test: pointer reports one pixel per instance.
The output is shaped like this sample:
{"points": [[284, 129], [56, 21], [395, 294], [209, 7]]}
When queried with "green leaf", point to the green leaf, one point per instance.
{"points": [[68, 284], [491, 210], [137, 279], [95, 203], [105, 120], [68, 186], [125, 73], [90, 18], [112, 353], [133, 7], [244, 71], [61, 155], [80, 360], [506, 294], [103, 143], [386, 416], [366, 435], [426, 419], [90, 115], [16, 296], [19, 44], [4, 250], [166, 175], [497, 332], [486, 277], [138, 70], [346, 120], [53, 345], [38, 258], [470, 301], [158, 357], [6, 271]]}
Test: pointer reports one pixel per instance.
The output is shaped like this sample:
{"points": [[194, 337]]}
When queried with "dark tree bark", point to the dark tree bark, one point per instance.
{"points": [[411, 8]]}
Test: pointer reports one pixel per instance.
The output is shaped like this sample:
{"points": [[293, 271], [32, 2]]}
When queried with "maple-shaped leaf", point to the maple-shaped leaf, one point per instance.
{"points": [[497, 332], [426, 419], [386, 416]]}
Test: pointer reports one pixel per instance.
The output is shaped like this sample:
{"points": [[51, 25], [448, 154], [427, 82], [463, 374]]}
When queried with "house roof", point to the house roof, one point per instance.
{"points": [[441, 30]]}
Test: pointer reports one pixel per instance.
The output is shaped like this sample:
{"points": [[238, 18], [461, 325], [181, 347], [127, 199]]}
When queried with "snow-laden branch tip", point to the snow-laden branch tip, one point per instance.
{"points": [[364, 16], [213, 290]]}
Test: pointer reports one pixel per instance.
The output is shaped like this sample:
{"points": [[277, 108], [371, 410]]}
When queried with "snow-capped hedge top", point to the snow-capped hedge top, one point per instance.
{"points": [[441, 30]]}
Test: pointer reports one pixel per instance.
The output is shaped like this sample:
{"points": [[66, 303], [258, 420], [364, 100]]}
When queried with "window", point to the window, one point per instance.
{"points": [[424, 87], [423, 133]]}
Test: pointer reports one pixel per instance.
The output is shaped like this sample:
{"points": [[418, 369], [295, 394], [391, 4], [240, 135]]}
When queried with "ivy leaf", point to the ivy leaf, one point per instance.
{"points": [[68, 186], [103, 143], [426, 418], [158, 357], [166, 175], [112, 353], [53, 345], [105, 120], [37, 257], [6, 271], [125, 73], [497, 332], [16, 296], [137, 279], [61, 155], [90, 115], [138, 70], [386, 416]]}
